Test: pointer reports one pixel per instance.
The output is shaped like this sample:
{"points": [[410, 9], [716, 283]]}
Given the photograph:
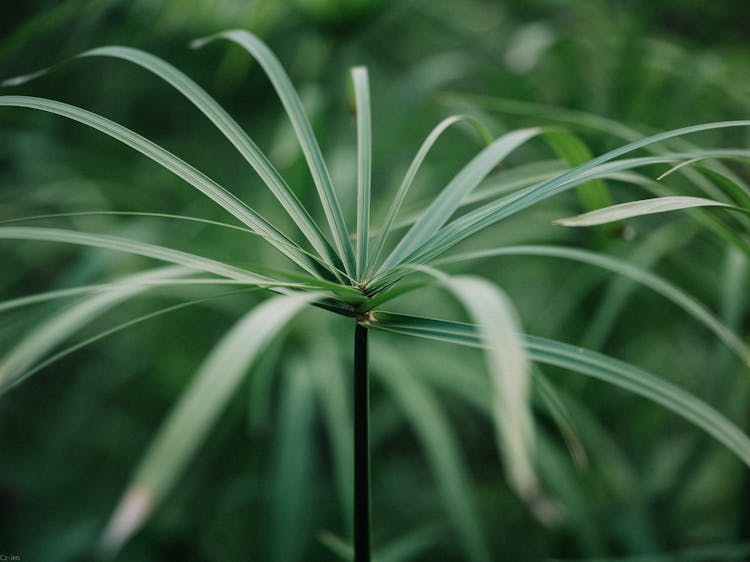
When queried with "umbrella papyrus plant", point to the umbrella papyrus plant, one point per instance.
{"points": [[343, 266]]}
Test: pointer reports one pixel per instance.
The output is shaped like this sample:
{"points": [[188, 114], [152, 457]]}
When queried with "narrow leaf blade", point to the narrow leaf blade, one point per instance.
{"points": [[364, 165], [450, 198], [231, 130], [638, 274], [411, 172], [197, 410], [293, 106], [588, 363], [434, 433], [510, 374], [637, 209], [180, 168], [129, 246], [61, 326]]}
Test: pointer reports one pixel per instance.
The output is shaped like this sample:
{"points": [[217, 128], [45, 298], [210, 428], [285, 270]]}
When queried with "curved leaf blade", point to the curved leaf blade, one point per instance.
{"points": [[187, 425], [57, 329], [138, 248], [449, 199], [231, 130], [498, 329], [589, 363], [488, 214], [642, 276], [507, 363], [441, 449], [309, 144], [171, 162], [639, 208], [411, 172]]}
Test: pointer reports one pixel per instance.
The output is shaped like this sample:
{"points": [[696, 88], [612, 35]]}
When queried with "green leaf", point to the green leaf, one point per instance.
{"points": [[651, 249], [657, 284], [169, 216], [586, 120], [364, 165], [555, 406], [549, 112], [187, 425], [65, 351], [728, 184], [138, 248], [488, 214], [292, 467], [414, 167], [504, 183], [705, 217], [449, 199], [484, 216], [180, 168], [511, 180], [228, 127], [593, 194], [639, 208], [507, 363], [303, 129], [441, 448], [331, 383], [338, 547], [409, 546], [60, 327], [588, 363], [45, 296], [401, 549]]}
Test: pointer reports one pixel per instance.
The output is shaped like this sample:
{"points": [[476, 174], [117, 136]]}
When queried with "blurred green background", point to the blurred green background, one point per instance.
{"points": [[263, 487]]}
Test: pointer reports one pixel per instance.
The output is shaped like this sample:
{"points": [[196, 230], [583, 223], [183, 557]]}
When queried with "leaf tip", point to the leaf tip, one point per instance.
{"points": [[16, 80], [134, 508], [199, 42], [22, 79], [547, 511]]}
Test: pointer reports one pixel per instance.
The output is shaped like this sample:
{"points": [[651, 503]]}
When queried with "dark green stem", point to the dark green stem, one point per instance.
{"points": [[361, 447]]}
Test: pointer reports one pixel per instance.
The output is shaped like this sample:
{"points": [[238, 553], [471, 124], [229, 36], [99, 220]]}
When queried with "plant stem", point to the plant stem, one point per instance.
{"points": [[361, 447]]}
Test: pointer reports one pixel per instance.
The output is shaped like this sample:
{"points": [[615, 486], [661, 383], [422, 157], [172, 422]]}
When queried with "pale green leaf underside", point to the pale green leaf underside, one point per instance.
{"points": [[507, 363], [639, 208]]}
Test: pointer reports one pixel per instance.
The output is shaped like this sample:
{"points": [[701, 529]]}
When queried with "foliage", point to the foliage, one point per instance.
{"points": [[298, 407]]}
